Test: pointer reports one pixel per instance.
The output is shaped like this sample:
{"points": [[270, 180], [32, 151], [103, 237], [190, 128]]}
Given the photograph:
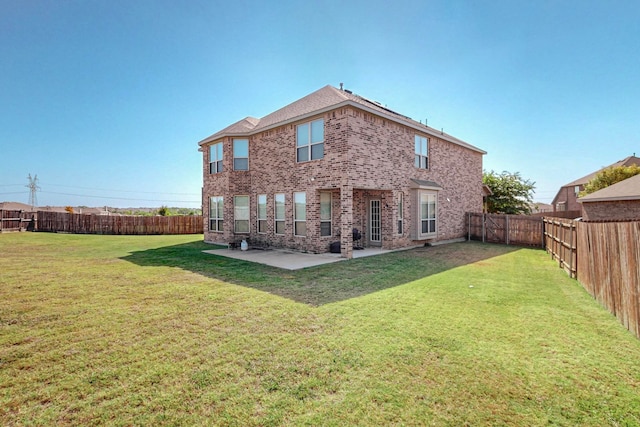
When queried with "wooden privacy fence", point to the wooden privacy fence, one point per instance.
{"points": [[561, 243], [115, 224], [17, 220], [605, 258], [609, 267], [509, 229]]}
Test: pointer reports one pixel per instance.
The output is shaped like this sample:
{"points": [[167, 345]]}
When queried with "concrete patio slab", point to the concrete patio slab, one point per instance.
{"points": [[287, 260], [291, 260]]}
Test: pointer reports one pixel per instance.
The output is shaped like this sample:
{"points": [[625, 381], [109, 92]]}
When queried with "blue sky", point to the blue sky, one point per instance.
{"points": [[106, 100]]}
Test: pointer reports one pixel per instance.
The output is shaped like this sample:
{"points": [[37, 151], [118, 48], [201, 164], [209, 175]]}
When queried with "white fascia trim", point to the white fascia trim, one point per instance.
{"points": [[608, 199]]}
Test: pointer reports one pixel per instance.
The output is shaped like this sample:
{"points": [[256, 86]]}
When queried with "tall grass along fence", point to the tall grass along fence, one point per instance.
{"points": [[509, 229], [17, 220], [606, 260], [116, 224]]}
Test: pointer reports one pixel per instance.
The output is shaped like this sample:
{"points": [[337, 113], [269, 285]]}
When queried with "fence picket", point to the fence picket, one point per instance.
{"points": [[115, 224]]}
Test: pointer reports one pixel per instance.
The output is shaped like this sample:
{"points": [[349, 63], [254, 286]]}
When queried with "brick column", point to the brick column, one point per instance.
{"points": [[346, 221]]}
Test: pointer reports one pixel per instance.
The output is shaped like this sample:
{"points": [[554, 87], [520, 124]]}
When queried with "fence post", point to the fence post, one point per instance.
{"points": [[484, 218], [507, 230]]}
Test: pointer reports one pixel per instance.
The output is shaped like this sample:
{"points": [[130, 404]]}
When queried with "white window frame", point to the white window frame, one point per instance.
{"points": [[235, 157], [216, 157], [305, 141], [325, 217], [239, 212], [216, 215], [261, 214], [421, 145], [279, 220], [428, 217], [299, 215]]}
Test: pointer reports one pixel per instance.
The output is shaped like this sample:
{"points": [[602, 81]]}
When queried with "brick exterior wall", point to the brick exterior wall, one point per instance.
{"points": [[611, 211], [567, 197], [366, 157]]}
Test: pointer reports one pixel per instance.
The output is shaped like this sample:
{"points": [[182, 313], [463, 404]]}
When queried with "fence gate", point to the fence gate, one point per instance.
{"points": [[495, 227], [508, 229]]}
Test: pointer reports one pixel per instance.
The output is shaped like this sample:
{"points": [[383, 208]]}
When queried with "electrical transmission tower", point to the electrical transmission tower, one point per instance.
{"points": [[33, 188]]}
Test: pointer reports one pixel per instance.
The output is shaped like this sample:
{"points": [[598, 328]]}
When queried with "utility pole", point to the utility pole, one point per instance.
{"points": [[33, 188]]}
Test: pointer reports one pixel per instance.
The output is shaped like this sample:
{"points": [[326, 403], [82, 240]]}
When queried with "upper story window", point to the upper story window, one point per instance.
{"points": [[310, 141], [240, 154], [215, 158], [422, 152]]}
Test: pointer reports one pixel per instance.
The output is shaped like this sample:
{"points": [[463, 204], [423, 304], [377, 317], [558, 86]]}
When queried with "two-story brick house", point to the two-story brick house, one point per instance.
{"points": [[567, 197], [307, 174]]}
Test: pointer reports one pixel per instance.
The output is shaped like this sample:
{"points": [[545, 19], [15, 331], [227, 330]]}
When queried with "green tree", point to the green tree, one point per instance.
{"points": [[511, 194], [609, 176], [164, 211]]}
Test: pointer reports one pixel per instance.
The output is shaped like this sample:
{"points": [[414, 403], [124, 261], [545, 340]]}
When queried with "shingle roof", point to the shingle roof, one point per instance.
{"points": [[325, 99], [422, 183], [631, 160], [629, 189]]}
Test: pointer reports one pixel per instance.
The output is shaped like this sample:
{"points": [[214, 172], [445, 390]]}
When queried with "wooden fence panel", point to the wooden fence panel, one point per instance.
{"points": [[11, 220], [116, 224], [521, 230], [561, 242], [609, 268]]}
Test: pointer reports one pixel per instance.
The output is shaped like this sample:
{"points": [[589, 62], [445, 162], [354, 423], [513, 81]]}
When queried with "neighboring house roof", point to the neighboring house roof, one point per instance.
{"points": [[628, 161], [631, 160], [322, 100], [15, 206], [629, 189]]}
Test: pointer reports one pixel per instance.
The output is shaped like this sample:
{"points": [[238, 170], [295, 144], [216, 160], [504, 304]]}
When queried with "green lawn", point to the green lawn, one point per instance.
{"points": [[131, 330]]}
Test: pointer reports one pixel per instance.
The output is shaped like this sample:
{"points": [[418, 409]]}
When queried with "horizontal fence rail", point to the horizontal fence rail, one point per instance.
{"points": [[17, 220], [561, 243], [116, 224]]}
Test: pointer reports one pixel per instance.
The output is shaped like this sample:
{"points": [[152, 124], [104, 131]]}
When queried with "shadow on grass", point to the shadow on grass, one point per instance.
{"points": [[326, 283]]}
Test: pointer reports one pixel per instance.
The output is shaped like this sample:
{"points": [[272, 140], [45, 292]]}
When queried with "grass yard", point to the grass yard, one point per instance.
{"points": [[131, 330]]}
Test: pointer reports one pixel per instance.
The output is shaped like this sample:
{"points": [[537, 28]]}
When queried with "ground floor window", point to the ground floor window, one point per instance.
{"points": [[325, 214], [241, 214], [216, 216], [401, 213], [300, 214], [278, 212], [262, 213], [427, 213]]}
